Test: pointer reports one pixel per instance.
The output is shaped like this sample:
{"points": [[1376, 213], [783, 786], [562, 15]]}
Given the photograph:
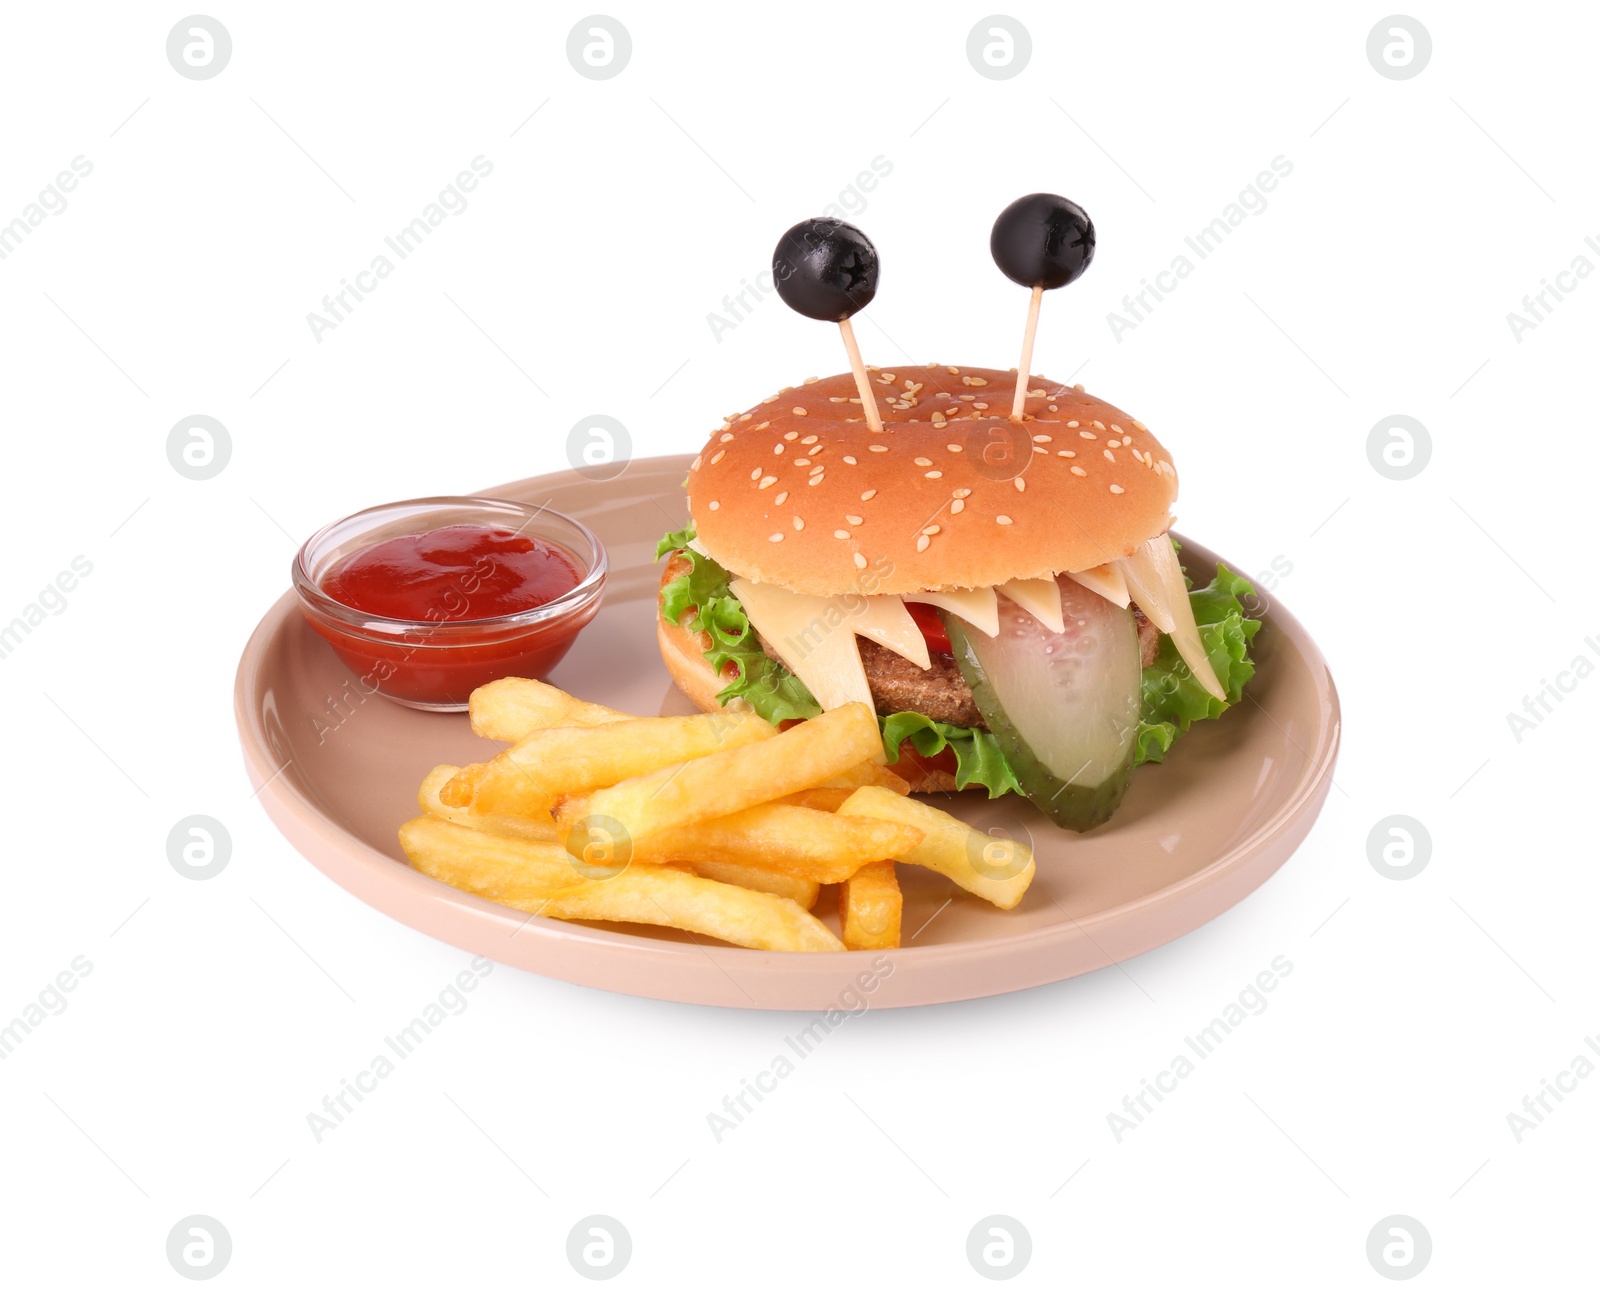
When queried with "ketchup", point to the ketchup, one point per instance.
{"points": [[470, 593], [458, 573]]}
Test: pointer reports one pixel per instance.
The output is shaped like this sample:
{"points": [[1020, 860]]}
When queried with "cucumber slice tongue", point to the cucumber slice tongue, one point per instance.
{"points": [[1064, 708]]}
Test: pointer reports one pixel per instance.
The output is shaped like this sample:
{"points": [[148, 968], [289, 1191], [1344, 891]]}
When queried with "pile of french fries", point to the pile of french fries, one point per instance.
{"points": [[717, 824]]}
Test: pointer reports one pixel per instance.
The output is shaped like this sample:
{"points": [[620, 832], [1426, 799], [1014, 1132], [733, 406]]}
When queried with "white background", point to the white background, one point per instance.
{"points": [[579, 280]]}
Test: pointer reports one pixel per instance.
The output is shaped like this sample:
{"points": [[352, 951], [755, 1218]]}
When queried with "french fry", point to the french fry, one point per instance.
{"points": [[528, 777], [511, 709], [818, 799], [869, 908], [485, 863], [794, 840], [869, 774], [802, 891], [719, 784], [952, 848], [530, 828], [757, 920], [715, 824], [522, 875]]}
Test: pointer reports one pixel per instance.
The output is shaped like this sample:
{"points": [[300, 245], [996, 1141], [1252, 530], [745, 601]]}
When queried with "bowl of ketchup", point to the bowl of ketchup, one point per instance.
{"points": [[428, 599]]}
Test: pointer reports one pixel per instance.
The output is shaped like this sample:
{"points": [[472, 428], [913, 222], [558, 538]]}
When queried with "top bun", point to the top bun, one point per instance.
{"points": [[798, 492]]}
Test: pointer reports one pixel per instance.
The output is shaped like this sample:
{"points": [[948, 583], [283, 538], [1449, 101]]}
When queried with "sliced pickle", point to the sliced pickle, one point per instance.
{"points": [[1064, 707]]}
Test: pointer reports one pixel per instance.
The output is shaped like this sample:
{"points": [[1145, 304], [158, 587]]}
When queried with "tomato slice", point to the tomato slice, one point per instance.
{"points": [[912, 765], [927, 618]]}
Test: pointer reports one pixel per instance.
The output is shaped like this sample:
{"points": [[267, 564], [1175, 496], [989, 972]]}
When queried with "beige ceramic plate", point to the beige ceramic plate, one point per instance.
{"points": [[1194, 837]]}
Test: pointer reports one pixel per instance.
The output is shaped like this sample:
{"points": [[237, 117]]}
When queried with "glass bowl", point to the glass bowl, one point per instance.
{"points": [[435, 662]]}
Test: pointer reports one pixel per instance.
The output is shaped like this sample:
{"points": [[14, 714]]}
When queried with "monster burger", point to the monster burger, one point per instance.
{"points": [[981, 556]]}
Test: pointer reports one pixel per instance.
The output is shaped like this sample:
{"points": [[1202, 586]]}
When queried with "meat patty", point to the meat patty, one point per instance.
{"points": [[1149, 637], [941, 693]]}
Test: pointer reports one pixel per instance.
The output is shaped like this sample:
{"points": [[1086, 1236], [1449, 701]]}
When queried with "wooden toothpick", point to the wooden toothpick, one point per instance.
{"points": [[1026, 366], [869, 403]]}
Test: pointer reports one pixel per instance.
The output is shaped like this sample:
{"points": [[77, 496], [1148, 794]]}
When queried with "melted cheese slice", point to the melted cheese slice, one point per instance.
{"points": [[1040, 597], [1154, 573], [816, 638], [976, 607], [1106, 581], [1184, 632], [1143, 575], [795, 627], [886, 620]]}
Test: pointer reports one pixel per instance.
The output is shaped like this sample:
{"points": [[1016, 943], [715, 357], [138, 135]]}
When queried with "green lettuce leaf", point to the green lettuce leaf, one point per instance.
{"points": [[771, 690], [979, 761], [1172, 698]]}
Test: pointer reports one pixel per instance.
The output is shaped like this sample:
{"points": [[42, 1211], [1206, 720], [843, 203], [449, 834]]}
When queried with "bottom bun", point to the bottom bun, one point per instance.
{"points": [[683, 651]]}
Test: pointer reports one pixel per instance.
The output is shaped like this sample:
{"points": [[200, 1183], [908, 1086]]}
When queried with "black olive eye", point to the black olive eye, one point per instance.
{"points": [[1042, 241], [825, 269]]}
